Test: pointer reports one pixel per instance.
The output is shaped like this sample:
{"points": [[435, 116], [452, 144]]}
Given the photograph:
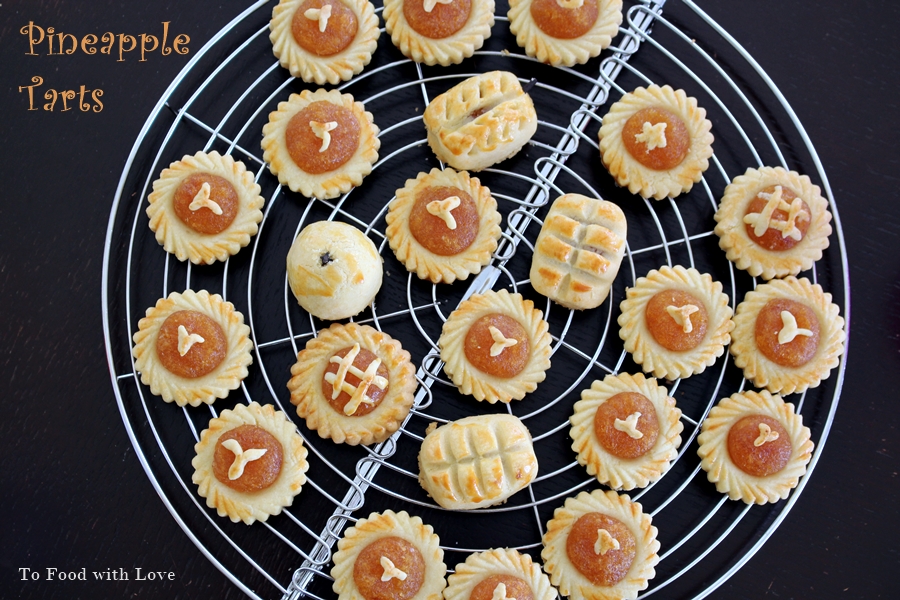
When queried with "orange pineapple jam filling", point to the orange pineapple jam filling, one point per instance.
{"points": [[340, 29], [564, 23], [367, 570], [769, 324], [678, 140], [515, 588], [605, 569], [761, 460], [204, 220], [479, 341], [666, 330], [620, 407], [202, 358], [374, 393], [304, 145], [443, 21], [773, 239], [432, 231], [258, 474]]}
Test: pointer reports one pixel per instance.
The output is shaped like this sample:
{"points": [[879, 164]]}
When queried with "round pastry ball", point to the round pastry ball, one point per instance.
{"points": [[334, 270]]}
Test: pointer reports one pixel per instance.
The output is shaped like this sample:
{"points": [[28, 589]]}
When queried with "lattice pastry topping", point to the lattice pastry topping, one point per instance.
{"points": [[578, 251], [772, 222], [250, 463], [788, 335], [754, 447], [476, 461], [481, 121], [600, 546], [192, 348], [389, 555], [353, 384], [656, 141], [499, 573], [443, 225], [626, 430], [205, 207], [324, 41], [564, 32], [441, 32]]}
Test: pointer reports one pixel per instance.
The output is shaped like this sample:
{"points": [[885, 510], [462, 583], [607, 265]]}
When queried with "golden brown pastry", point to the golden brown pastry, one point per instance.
{"points": [[656, 142], [389, 555], [564, 32], [443, 225], [320, 143], [788, 335], [205, 207], [192, 348], [441, 32], [772, 222], [250, 463], [481, 121], [626, 430], [334, 270], [353, 384], [496, 346], [754, 447], [324, 41], [578, 251], [476, 461], [483, 574], [600, 546]]}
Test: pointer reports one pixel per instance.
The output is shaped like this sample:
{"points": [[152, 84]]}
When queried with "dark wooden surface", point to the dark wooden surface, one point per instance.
{"points": [[72, 491]]}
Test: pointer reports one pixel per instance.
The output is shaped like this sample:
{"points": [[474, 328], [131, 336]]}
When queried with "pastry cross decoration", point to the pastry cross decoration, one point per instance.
{"points": [[367, 378], [765, 435], [187, 340], [629, 426], [570, 4], [652, 135], [321, 131], [241, 457], [499, 593], [765, 220], [391, 571], [442, 208], [789, 329], [202, 200], [682, 316], [319, 14], [429, 5], [605, 542], [501, 342]]}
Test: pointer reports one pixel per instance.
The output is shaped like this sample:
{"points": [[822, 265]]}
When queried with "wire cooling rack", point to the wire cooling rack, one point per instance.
{"points": [[221, 100]]}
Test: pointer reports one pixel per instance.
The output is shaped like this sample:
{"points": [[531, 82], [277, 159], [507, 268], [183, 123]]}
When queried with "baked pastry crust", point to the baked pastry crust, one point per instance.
{"points": [[642, 180], [324, 69], [646, 351], [500, 561], [473, 144], [578, 251], [566, 576], [389, 524], [476, 461], [427, 264], [624, 473], [564, 52], [765, 373], [225, 377], [477, 383], [185, 243], [331, 183], [728, 477], [445, 51], [305, 385], [745, 253], [255, 506]]}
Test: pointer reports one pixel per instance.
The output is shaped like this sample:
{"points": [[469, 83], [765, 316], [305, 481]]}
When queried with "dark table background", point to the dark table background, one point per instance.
{"points": [[71, 488]]}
